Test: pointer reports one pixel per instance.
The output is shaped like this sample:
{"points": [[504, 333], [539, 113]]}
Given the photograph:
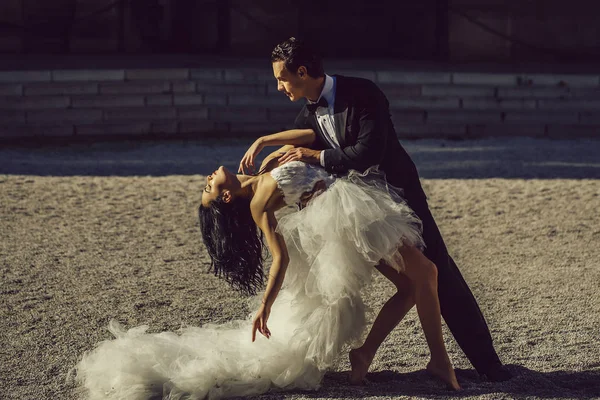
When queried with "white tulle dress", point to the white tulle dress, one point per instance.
{"points": [[333, 244]]}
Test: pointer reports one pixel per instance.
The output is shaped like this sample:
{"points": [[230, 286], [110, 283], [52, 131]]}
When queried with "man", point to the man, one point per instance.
{"points": [[354, 130]]}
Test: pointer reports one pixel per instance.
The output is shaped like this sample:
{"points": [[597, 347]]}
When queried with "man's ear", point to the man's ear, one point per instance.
{"points": [[302, 72], [227, 197]]}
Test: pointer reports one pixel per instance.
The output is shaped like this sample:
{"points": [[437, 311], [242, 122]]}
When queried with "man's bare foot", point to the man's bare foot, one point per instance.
{"points": [[444, 372], [360, 366]]}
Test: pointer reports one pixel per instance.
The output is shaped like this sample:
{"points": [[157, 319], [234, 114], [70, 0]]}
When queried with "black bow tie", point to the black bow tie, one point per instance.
{"points": [[312, 107]]}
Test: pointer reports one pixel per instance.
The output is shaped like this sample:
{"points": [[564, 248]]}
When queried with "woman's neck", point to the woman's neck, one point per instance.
{"points": [[247, 185]]}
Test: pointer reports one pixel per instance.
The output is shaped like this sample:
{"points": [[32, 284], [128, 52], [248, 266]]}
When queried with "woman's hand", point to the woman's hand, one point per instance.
{"points": [[260, 322], [247, 163]]}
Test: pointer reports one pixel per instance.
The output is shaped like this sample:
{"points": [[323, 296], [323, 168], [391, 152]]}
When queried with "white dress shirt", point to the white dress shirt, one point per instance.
{"points": [[325, 115]]}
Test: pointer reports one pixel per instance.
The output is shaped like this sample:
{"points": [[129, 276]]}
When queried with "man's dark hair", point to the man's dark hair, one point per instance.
{"points": [[295, 53]]}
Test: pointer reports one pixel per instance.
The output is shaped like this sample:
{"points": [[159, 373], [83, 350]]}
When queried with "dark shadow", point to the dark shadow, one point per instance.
{"points": [[512, 158], [525, 383]]}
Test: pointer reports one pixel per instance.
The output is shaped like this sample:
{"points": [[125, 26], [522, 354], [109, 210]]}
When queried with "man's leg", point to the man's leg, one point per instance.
{"points": [[458, 305]]}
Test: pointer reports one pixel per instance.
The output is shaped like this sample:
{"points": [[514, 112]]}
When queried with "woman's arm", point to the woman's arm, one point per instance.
{"points": [[266, 221], [294, 137]]}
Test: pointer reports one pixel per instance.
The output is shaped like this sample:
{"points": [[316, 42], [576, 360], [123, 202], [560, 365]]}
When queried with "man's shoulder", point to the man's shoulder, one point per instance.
{"points": [[356, 83], [354, 80]]}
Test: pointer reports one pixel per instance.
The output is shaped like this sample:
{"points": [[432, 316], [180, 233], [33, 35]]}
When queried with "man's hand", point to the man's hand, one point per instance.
{"points": [[303, 154], [260, 322]]}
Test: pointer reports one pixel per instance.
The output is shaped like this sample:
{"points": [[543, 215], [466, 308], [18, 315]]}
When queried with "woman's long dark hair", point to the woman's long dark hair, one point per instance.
{"points": [[234, 243]]}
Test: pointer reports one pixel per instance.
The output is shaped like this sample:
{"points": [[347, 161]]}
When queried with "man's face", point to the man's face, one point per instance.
{"points": [[291, 84]]}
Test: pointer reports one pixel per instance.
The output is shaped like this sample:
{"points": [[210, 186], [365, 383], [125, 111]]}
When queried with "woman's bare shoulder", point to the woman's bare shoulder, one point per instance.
{"points": [[267, 196]]}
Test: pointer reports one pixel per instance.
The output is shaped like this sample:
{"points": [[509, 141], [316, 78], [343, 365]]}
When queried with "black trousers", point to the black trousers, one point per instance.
{"points": [[458, 305]]}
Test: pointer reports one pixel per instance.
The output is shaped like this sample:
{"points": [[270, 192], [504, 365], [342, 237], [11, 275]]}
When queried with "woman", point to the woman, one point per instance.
{"points": [[326, 252]]}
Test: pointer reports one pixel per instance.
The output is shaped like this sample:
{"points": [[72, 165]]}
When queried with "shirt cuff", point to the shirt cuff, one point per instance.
{"points": [[322, 158]]}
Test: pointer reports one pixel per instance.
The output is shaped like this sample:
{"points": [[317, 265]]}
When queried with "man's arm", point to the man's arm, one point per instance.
{"points": [[296, 137], [310, 154], [369, 147]]}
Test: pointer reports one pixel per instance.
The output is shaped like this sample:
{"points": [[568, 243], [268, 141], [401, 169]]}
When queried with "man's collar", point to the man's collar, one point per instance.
{"points": [[327, 91]]}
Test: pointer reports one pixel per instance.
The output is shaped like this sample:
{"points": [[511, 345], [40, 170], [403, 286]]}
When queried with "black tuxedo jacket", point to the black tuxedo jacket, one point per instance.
{"points": [[365, 133]]}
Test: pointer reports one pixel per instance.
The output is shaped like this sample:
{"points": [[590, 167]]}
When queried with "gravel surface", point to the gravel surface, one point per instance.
{"points": [[92, 232]]}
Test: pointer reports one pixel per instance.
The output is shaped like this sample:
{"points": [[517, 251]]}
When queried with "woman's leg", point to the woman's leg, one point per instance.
{"points": [[423, 275], [388, 318]]}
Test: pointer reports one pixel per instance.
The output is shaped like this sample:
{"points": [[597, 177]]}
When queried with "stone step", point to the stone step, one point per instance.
{"points": [[506, 129], [463, 116], [11, 89], [143, 113], [196, 106], [569, 104], [15, 131], [572, 131], [71, 75], [64, 116], [143, 87], [412, 77], [259, 128], [400, 117], [548, 92], [484, 103], [424, 103], [8, 116], [244, 92], [424, 131], [159, 74], [34, 102], [461, 91], [238, 114], [246, 100], [280, 101], [143, 128], [404, 130], [25, 76], [502, 79], [589, 118], [541, 117]]}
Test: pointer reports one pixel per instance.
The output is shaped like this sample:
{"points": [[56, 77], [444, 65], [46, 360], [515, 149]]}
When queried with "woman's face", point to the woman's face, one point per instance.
{"points": [[220, 182]]}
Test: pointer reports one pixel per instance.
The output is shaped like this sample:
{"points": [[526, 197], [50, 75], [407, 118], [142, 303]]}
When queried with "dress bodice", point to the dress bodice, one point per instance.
{"points": [[296, 177]]}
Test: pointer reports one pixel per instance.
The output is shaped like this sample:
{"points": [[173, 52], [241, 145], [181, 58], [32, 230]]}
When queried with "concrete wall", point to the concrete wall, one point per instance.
{"points": [[240, 101], [544, 30], [556, 31]]}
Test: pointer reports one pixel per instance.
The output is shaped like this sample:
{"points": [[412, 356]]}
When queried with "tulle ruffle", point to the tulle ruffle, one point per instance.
{"points": [[333, 244], [360, 219]]}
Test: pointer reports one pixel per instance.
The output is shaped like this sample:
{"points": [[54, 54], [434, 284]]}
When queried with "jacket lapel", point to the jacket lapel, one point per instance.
{"points": [[340, 110], [317, 128]]}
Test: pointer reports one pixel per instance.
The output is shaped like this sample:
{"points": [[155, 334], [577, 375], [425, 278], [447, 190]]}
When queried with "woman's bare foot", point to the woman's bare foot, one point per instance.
{"points": [[360, 363], [444, 372]]}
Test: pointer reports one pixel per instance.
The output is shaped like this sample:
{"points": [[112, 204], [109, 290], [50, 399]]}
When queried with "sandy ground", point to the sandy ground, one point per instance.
{"points": [[95, 232]]}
